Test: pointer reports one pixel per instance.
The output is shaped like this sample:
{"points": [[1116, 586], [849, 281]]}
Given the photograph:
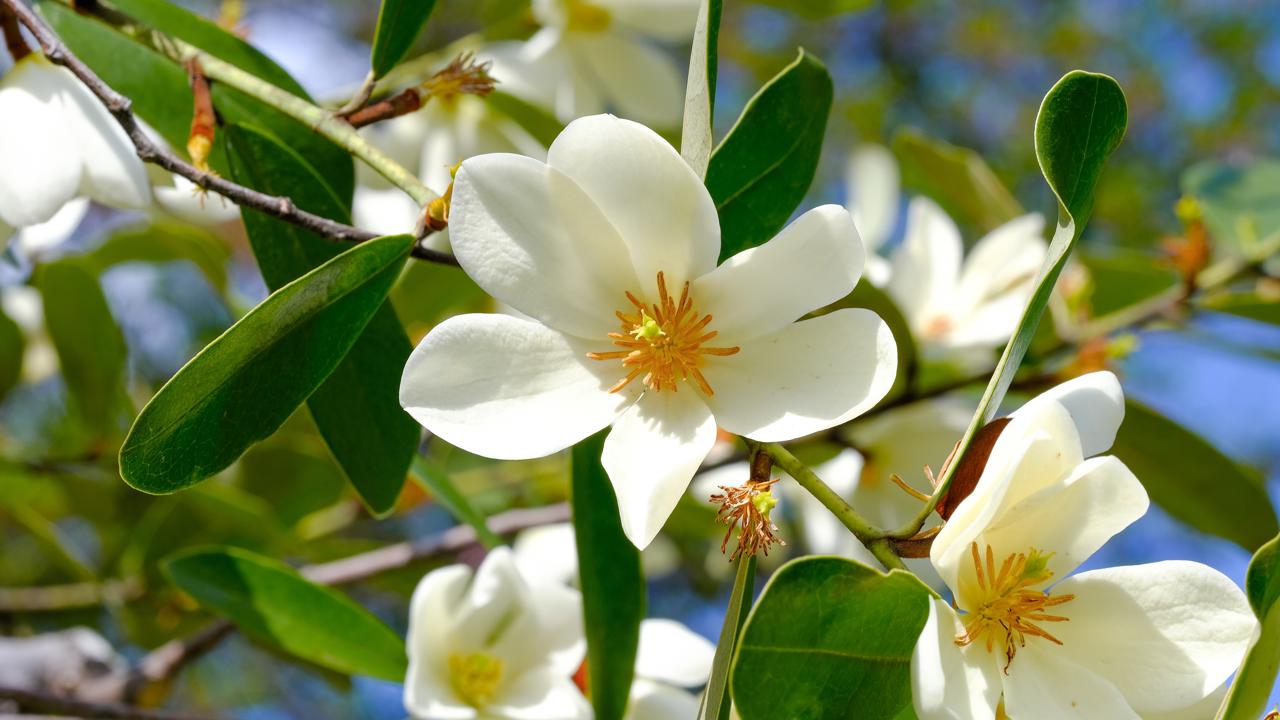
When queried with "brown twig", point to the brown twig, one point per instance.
{"points": [[120, 108], [13, 39], [42, 702]]}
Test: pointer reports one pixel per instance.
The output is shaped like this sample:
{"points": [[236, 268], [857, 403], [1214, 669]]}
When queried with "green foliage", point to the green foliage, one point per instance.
{"points": [[696, 138], [12, 345], [400, 22], [613, 590], [274, 604], [358, 408], [762, 169], [1193, 480], [1240, 206], [434, 478], [957, 178], [1247, 305], [243, 385], [166, 241], [1248, 696], [830, 638], [90, 346], [818, 9], [542, 125], [1121, 280], [717, 702]]}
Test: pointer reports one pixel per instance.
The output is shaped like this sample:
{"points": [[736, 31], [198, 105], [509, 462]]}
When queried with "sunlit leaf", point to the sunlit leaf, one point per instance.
{"points": [[400, 22], [957, 178], [1120, 280], [696, 139]]}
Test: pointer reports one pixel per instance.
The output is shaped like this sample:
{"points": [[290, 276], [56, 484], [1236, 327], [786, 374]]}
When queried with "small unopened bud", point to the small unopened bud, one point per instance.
{"points": [[435, 216], [203, 120]]}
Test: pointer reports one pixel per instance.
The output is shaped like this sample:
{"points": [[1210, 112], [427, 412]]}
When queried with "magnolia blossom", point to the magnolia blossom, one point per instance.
{"points": [[874, 187], [23, 305], [593, 55], [1126, 642], [957, 309], [491, 645], [610, 248], [38, 240], [58, 142]]}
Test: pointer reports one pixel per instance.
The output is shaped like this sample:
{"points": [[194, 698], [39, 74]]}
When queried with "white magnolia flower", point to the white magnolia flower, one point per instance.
{"points": [[874, 187], [596, 55], [182, 199], [963, 309], [611, 247], [39, 240], [58, 142], [489, 645], [23, 305], [1125, 642]]}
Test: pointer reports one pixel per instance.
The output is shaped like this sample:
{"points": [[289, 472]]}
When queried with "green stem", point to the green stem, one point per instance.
{"points": [[809, 480], [715, 701]]}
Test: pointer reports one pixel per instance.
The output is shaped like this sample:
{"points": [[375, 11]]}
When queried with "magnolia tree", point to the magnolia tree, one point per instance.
{"points": [[912, 429]]}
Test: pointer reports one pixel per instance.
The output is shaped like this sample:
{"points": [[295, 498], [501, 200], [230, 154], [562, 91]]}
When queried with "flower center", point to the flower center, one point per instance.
{"points": [[586, 16], [663, 342], [475, 677], [1011, 606], [938, 326]]}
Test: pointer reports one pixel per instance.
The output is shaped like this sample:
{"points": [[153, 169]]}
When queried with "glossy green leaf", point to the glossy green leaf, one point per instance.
{"points": [[762, 169], [400, 22], [818, 9], [91, 348], [1240, 205], [274, 604], [542, 125], [12, 346], [829, 639], [1121, 280], [696, 139], [358, 408], [1192, 480], [716, 701], [612, 583], [437, 481], [957, 178], [165, 241], [243, 385], [1256, 678], [1247, 305]]}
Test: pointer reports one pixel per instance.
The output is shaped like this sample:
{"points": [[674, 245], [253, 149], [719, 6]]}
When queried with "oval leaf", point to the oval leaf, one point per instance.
{"points": [[399, 24], [274, 604], [244, 384], [830, 638], [957, 178], [762, 169]]}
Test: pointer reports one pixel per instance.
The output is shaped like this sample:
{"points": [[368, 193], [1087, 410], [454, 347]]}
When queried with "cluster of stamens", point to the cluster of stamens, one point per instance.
{"points": [[475, 677], [748, 508], [1012, 606], [663, 343]]}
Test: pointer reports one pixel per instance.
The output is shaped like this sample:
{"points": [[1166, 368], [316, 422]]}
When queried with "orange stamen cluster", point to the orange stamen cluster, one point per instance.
{"points": [[1012, 607], [663, 343]]}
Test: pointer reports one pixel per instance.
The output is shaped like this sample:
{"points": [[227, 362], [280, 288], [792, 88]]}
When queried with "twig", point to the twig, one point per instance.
{"points": [[48, 703], [120, 108], [67, 597]]}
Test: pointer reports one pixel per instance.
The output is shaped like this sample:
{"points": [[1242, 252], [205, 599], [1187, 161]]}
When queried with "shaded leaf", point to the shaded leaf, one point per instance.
{"points": [[243, 385], [274, 604], [1240, 205], [1121, 280], [400, 22], [696, 139], [762, 169], [12, 346], [1253, 684], [957, 178], [1247, 305], [163, 241]]}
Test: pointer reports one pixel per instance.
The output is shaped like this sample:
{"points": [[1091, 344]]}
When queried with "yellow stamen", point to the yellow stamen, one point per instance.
{"points": [[663, 342], [586, 16], [475, 677], [1011, 607]]}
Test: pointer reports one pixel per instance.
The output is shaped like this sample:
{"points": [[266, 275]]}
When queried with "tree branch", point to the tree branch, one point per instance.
{"points": [[48, 703], [149, 151]]}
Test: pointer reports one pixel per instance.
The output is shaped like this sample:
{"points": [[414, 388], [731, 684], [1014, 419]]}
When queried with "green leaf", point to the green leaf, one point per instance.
{"points": [[716, 700], [1240, 205], [244, 384], [434, 478], [829, 638], [817, 9], [612, 583], [957, 178], [1121, 280], [91, 348], [762, 169], [1253, 685], [1247, 305], [164, 241], [1193, 480], [12, 346], [399, 24], [358, 408], [696, 140], [542, 125], [274, 604]]}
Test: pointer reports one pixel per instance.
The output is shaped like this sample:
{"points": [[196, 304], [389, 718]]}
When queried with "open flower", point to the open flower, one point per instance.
{"points": [[961, 310], [489, 645], [1123, 642], [874, 184], [58, 142], [610, 247], [594, 55]]}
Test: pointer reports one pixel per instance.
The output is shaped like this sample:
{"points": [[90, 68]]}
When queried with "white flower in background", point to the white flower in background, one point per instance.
{"points": [[874, 187], [611, 248], [58, 142], [38, 241], [182, 199], [549, 553], [489, 645], [1123, 642], [23, 305], [961, 310], [596, 55]]}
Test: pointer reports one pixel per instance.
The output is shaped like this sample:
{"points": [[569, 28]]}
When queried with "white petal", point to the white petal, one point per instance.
{"points": [[1096, 404], [1043, 683], [655, 701], [1203, 710], [949, 682], [638, 80], [874, 187], [181, 198], [41, 167], [651, 455], [531, 238], [540, 695], [1007, 256], [440, 148], [1166, 634], [988, 324], [506, 388], [545, 630], [665, 19], [112, 174], [497, 593], [547, 554], [427, 691], [807, 377], [658, 205], [42, 237], [926, 267], [672, 653], [814, 261], [386, 212]]}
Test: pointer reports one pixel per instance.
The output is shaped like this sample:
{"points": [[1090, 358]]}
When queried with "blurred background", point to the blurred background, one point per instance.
{"points": [[1203, 83]]}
